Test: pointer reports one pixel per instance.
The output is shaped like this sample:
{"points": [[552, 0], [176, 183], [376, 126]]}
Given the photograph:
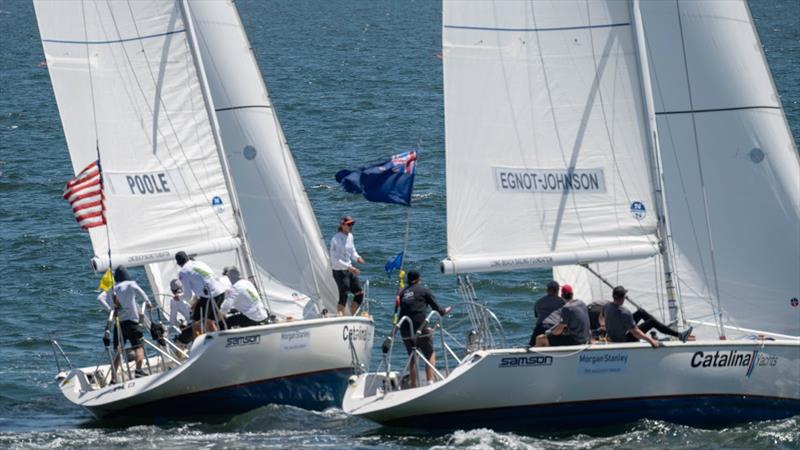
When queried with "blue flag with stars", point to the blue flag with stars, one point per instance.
{"points": [[389, 181]]}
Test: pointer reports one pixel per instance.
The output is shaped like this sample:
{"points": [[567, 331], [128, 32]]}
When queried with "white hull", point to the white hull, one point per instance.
{"points": [[304, 363], [600, 385]]}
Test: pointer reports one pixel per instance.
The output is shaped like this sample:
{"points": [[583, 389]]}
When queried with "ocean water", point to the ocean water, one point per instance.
{"points": [[352, 81]]}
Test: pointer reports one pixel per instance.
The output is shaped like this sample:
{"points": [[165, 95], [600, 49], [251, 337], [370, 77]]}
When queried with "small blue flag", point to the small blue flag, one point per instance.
{"points": [[395, 263], [388, 181]]}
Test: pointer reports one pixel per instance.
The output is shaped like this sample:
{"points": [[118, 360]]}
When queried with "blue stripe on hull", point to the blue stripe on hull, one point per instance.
{"points": [[706, 410], [314, 391]]}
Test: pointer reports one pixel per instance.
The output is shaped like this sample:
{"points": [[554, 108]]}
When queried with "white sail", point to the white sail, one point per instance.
{"points": [[731, 169], [128, 94], [731, 166], [547, 152], [283, 234]]}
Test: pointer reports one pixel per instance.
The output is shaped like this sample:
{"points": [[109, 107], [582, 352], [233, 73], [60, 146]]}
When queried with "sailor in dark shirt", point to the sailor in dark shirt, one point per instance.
{"points": [[619, 322], [414, 302], [568, 325], [543, 308]]}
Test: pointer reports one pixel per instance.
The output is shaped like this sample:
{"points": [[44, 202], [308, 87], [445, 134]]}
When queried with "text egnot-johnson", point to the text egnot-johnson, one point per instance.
{"points": [[549, 180]]}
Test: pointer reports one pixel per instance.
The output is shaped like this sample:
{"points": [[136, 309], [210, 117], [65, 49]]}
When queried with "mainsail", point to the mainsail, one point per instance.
{"points": [[129, 95], [547, 148]]}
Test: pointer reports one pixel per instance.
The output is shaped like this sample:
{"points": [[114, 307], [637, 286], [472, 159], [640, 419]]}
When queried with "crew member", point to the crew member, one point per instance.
{"points": [[198, 280], [343, 253], [568, 325], [648, 322], [543, 308], [125, 292], [180, 315], [414, 302], [242, 296]]}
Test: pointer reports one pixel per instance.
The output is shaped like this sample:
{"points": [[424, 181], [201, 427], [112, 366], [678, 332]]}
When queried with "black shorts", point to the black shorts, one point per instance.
{"points": [[241, 321], [200, 307], [186, 336], [348, 282], [131, 332], [563, 339], [424, 343]]}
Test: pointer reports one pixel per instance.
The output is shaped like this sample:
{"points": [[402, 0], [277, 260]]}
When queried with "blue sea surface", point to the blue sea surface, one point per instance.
{"points": [[352, 82]]}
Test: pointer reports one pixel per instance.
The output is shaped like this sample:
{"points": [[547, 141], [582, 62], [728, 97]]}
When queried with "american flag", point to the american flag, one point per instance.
{"points": [[84, 193]]}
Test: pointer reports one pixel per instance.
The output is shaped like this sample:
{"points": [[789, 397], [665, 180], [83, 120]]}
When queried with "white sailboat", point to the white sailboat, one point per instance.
{"points": [[627, 143], [168, 97]]}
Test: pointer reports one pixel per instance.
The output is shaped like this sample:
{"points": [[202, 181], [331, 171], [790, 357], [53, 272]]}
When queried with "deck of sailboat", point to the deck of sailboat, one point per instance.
{"points": [[701, 383], [232, 371]]}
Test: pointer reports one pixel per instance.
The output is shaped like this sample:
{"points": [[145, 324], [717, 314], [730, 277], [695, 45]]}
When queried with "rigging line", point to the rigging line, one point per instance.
{"points": [[166, 113], [205, 89], [289, 166], [735, 108], [94, 123], [233, 108], [700, 168], [689, 211], [610, 138]]}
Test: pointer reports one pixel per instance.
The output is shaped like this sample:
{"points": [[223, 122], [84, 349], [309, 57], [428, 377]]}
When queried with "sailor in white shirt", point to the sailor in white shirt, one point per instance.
{"points": [[343, 253], [180, 314], [198, 279], [243, 297], [126, 290]]}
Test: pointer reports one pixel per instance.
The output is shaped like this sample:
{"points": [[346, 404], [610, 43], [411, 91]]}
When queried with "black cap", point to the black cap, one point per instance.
{"points": [[121, 274], [181, 258], [619, 292], [413, 275], [552, 286]]}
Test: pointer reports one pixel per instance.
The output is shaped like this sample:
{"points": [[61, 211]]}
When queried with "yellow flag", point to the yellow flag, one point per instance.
{"points": [[106, 282], [402, 275]]}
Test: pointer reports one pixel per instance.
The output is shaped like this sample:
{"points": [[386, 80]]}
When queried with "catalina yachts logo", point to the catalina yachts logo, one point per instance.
{"points": [[734, 358]]}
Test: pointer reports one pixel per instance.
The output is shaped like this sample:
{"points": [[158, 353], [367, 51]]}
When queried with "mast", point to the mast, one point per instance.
{"points": [[662, 230], [198, 63]]}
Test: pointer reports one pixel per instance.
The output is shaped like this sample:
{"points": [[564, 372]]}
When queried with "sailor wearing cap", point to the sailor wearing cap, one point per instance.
{"points": [[568, 325], [198, 279], [543, 308], [243, 297], [343, 253], [180, 314], [621, 325]]}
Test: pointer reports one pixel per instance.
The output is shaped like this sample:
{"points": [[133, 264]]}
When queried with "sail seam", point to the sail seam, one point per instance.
{"points": [[580, 27], [736, 108], [116, 41]]}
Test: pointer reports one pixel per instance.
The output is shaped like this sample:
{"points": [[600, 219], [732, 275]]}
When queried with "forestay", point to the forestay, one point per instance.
{"points": [[547, 153], [127, 90], [283, 234]]}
